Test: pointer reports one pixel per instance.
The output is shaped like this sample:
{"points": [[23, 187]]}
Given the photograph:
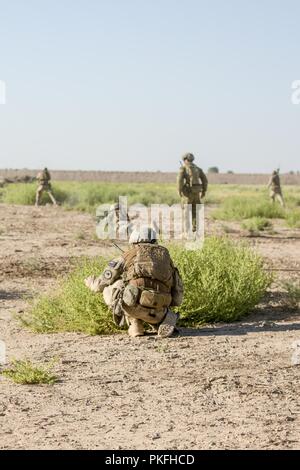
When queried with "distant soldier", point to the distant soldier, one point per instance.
{"points": [[192, 186], [141, 285], [275, 188], [44, 179]]}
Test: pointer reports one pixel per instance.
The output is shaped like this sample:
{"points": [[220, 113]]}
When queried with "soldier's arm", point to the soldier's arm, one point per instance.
{"points": [[270, 182], [180, 181], [111, 274], [204, 181]]}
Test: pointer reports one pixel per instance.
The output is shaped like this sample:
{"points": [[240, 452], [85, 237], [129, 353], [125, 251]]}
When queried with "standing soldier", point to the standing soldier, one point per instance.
{"points": [[275, 188], [44, 179], [141, 285], [192, 186]]}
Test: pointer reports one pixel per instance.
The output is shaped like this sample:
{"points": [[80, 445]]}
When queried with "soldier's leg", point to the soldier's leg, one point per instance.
{"points": [[168, 325], [272, 196], [51, 195], [186, 215], [195, 203], [136, 327], [280, 199], [153, 317], [38, 195]]}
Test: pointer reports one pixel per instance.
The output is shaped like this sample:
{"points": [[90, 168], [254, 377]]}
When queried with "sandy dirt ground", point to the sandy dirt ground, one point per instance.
{"points": [[218, 387]]}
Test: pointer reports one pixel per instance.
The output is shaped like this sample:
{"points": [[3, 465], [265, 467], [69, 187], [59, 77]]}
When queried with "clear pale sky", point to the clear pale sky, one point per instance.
{"points": [[133, 84]]}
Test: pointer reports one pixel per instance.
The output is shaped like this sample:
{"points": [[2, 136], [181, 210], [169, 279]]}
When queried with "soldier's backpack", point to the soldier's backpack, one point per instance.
{"points": [[151, 262], [149, 267], [193, 177]]}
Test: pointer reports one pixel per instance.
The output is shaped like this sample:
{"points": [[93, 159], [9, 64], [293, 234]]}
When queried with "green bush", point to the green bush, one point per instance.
{"points": [[223, 281], [293, 218], [24, 193], [240, 208], [26, 373], [86, 196], [19, 193], [257, 224], [72, 307]]}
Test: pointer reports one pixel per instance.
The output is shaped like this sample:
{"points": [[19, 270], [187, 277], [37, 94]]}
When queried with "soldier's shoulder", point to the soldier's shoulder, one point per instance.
{"points": [[130, 253], [116, 262], [162, 249]]}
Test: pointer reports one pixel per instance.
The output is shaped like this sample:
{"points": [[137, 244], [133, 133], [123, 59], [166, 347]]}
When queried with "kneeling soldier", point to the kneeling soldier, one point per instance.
{"points": [[142, 285]]}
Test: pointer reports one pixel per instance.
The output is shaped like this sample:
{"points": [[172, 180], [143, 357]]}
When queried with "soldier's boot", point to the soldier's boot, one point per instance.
{"points": [[168, 325], [136, 328], [52, 198]]}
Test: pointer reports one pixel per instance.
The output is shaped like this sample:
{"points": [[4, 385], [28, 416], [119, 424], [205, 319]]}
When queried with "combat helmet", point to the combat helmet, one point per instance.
{"points": [[144, 234], [189, 157]]}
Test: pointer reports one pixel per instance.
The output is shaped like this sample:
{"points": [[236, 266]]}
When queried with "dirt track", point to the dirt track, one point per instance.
{"points": [[228, 386]]}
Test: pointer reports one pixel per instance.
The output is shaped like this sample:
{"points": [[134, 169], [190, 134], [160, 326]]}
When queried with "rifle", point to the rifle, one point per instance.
{"points": [[116, 246]]}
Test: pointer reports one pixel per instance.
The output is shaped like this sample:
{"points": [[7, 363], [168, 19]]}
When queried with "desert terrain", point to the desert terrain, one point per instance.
{"points": [[225, 386]]}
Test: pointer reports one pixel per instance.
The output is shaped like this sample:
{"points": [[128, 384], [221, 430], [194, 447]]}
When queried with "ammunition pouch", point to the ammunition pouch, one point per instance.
{"points": [[155, 300], [151, 284], [196, 188], [131, 295]]}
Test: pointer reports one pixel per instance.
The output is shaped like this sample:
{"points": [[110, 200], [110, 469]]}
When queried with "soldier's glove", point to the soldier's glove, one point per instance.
{"points": [[93, 283], [202, 194]]}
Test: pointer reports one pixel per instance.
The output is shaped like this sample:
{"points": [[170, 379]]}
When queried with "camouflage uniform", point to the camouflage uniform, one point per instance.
{"points": [[275, 188], [192, 186], [140, 286], [44, 185]]}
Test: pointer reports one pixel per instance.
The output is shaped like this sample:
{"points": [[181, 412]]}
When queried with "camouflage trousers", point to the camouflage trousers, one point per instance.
{"points": [[276, 195], [39, 192], [193, 200], [135, 316]]}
